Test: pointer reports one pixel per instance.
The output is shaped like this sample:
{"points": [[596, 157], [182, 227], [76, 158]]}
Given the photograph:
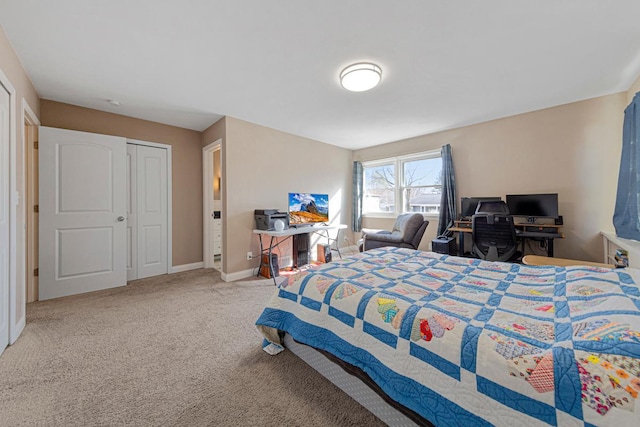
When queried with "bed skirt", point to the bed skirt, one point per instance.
{"points": [[357, 385]]}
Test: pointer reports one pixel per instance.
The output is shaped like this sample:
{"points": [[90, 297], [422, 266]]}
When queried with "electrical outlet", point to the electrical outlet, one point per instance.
{"points": [[249, 256]]}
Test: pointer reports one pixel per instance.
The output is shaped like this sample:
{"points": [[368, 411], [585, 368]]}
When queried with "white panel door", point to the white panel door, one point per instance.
{"points": [[132, 194], [5, 118], [82, 212], [151, 176]]}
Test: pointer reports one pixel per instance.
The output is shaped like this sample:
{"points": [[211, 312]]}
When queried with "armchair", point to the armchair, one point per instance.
{"points": [[406, 233]]}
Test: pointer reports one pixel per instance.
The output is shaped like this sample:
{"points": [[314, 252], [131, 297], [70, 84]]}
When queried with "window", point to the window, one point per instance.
{"points": [[403, 184]]}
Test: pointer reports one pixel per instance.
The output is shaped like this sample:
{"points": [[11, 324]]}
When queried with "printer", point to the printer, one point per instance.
{"points": [[266, 218]]}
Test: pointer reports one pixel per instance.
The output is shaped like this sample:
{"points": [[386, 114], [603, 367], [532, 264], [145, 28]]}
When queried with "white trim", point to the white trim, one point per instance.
{"points": [[148, 143], [398, 165], [169, 195], [243, 274], [14, 199], [207, 201], [187, 267], [382, 215], [27, 116], [238, 275]]}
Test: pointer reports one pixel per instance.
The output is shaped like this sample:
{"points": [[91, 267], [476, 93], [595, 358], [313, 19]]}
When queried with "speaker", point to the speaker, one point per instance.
{"points": [[444, 245], [324, 253], [300, 250], [264, 270], [559, 220]]}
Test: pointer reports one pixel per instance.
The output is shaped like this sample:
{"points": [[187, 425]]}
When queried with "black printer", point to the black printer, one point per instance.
{"points": [[266, 218]]}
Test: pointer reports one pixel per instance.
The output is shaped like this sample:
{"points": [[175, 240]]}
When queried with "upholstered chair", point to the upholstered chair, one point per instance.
{"points": [[406, 233]]}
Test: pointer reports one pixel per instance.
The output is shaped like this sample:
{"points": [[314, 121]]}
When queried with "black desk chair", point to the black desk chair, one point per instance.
{"points": [[494, 233]]}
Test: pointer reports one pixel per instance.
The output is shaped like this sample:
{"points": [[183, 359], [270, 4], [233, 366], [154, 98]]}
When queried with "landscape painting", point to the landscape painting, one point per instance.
{"points": [[307, 208]]}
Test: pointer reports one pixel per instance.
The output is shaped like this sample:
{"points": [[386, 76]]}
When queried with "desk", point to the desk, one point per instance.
{"points": [[461, 232], [560, 262], [289, 232], [524, 231]]}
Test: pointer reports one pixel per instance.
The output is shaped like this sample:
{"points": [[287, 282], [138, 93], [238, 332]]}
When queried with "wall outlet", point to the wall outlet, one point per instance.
{"points": [[249, 256]]}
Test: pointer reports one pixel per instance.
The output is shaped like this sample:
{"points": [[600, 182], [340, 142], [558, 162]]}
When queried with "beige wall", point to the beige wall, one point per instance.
{"points": [[633, 89], [216, 131], [572, 150], [24, 90], [186, 150], [12, 68], [260, 167]]}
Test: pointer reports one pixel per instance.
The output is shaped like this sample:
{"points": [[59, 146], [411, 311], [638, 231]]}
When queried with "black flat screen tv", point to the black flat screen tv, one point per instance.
{"points": [[308, 209], [533, 205], [470, 204]]}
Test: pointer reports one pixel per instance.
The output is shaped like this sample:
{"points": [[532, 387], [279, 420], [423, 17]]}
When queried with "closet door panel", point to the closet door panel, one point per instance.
{"points": [[132, 194], [152, 218]]}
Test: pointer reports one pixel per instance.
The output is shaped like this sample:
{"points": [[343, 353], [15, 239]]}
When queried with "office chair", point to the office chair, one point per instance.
{"points": [[493, 232], [407, 233], [492, 206]]}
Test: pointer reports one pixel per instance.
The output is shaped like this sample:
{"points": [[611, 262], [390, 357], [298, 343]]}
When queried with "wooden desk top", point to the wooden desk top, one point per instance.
{"points": [[517, 224], [461, 229], [524, 234], [560, 262], [529, 224]]}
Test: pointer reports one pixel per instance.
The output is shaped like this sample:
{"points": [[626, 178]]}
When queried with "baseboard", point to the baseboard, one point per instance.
{"points": [[238, 275], [187, 267]]}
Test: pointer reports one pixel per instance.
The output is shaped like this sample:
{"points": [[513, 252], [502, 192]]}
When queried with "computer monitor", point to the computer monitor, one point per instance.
{"points": [[533, 205], [469, 205], [492, 206]]}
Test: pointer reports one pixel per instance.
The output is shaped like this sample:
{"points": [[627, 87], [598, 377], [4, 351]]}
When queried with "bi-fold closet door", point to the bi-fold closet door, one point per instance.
{"points": [[147, 211]]}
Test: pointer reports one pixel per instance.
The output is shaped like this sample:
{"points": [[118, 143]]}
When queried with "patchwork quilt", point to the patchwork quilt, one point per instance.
{"points": [[469, 342]]}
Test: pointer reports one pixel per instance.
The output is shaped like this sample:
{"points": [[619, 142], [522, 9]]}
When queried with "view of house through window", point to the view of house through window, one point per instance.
{"points": [[403, 184]]}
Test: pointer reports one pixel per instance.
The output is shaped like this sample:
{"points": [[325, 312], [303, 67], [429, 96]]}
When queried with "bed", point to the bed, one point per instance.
{"points": [[463, 341]]}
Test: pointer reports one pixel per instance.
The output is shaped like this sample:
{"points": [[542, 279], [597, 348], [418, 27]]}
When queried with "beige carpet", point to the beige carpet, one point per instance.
{"points": [[175, 350]]}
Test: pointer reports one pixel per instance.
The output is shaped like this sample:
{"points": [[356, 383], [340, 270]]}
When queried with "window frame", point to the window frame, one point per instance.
{"points": [[398, 163]]}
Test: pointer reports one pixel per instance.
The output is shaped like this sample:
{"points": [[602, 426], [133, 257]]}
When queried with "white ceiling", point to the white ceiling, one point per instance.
{"points": [[276, 63]]}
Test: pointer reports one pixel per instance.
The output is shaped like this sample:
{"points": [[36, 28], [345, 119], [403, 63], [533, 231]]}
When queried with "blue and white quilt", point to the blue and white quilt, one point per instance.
{"points": [[469, 342]]}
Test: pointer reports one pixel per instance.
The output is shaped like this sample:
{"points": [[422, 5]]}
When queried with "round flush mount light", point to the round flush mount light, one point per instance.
{"points": [[114, 102], [360, 77]]}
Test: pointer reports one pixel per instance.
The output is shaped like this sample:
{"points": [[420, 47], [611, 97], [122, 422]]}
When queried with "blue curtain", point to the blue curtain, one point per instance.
{"points": [[356, 207], [626, 217], [448, 211]]}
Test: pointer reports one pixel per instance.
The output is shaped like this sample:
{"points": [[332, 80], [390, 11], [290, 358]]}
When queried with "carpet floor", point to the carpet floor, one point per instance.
{"points": [[172, 350]]}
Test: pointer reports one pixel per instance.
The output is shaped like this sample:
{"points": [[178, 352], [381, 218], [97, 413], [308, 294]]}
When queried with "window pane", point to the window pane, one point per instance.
{"points": [[422, 172], [425, 200], [379, 188]]}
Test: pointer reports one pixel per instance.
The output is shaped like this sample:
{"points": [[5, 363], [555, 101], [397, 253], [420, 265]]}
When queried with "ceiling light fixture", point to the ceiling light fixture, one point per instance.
{"points": [[360, 77], [113, 102]]}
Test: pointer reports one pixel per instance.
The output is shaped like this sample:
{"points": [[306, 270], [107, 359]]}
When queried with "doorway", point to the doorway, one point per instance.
{"points": [[29, 138], [213, 215]]}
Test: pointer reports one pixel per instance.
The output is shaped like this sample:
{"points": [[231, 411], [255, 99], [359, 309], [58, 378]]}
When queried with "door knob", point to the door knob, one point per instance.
{"points": [[120, 218]]}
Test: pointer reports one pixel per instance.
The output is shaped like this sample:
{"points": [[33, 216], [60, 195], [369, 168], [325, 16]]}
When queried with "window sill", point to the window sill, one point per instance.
{"points": [[430, 217]]}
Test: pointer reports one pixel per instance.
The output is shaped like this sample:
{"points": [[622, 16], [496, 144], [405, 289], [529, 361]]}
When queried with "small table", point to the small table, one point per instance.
{"points": [[289, 232]]}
